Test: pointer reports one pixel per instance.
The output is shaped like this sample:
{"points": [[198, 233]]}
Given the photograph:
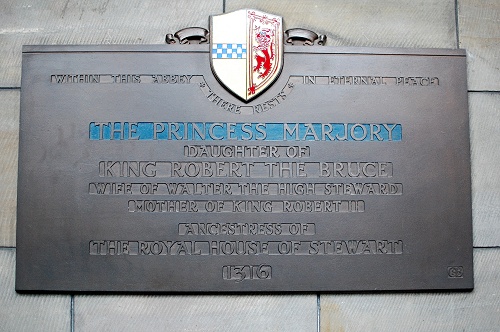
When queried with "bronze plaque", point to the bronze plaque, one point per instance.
{"points": [[140, 170]]}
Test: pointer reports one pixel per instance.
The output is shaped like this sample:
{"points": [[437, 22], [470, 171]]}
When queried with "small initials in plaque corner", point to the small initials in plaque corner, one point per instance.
{"points": [[455, 271]]}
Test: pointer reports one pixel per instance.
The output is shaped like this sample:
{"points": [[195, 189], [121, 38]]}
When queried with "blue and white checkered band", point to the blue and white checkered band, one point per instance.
{"points": [[229, 51]]}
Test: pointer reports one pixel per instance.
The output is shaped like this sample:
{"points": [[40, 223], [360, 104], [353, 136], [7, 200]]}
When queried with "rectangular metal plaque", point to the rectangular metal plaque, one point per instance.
{"points": [[140, 172]]}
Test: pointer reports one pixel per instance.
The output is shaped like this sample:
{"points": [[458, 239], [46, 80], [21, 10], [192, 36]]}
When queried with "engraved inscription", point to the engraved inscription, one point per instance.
{"points": [[75, 78], [121, 78], [232, 169], [246, 131], [244, 188], [232, 178], [171, 79], [247, 248], [239, 273], [306, 80], [245, 206], [247, 229], [371, 80], [246, 151], [221, 103]]}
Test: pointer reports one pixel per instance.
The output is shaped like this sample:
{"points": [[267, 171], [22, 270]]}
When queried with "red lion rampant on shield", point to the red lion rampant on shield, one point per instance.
{"points": [[263, 52]]}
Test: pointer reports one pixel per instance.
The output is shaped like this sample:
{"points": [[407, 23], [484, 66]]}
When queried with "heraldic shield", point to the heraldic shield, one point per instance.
{"points": [[247, 51]]}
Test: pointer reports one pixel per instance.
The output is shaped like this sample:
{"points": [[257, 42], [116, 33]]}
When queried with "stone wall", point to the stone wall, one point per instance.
{"points": [[470, 24]]}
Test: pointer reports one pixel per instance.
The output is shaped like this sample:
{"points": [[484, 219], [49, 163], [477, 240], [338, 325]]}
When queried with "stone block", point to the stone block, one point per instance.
{"points": [[484, 111], [9, 139], [91, 22], [387, 23], [478, 310], [196, 313], [26, 312], [479, 34]]}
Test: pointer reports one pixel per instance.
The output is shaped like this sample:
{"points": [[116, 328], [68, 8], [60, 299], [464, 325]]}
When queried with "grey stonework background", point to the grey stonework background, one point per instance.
{"points": [[470, 24]]}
